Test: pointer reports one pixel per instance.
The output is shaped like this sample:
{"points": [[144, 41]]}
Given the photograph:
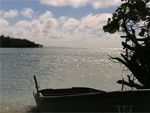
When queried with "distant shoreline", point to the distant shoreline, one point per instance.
{"points": [[7, 42]]}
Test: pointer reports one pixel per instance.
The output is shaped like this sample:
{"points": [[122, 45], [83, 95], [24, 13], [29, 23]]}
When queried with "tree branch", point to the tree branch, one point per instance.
{"points": [[119, 59], [137, 86], [128, 46]]}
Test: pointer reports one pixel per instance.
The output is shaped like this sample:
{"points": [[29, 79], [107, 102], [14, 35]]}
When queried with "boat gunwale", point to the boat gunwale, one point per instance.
{"points": [[100, 93]]}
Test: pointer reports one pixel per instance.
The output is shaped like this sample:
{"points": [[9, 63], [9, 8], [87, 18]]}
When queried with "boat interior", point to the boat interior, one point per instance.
{"points": [[67, 91]]}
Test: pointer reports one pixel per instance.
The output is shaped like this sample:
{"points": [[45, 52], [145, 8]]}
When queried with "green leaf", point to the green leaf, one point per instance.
{"points": [[112, 31], [115, 15], [124, 7], [109, 28], [105, 28]]}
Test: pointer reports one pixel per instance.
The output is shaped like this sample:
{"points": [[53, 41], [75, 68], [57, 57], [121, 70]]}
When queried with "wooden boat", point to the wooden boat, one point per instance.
{"points": [[82, 99]]}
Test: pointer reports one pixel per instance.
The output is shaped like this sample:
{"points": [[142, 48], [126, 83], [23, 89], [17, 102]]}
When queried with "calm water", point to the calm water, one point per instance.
{"points": [[54, 68]]}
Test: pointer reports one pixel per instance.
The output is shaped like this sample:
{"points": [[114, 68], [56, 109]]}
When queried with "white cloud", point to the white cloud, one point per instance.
{"points": [[10, 14], [92, 22], [79, 3], [33, 27], [36, 26], [104, 3], [70, 24], [27, 12], [3, 23], [50, 23], [62, 19], [73, 3], [45, 16], [22, 24]]}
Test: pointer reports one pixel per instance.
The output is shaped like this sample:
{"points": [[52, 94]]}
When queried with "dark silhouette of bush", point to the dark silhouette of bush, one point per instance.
{"points": [[6, 41], [133, 19]]}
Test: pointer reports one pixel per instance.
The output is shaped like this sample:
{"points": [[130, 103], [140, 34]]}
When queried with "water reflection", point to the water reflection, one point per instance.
{"points": [[55, 68], [24, 109]]}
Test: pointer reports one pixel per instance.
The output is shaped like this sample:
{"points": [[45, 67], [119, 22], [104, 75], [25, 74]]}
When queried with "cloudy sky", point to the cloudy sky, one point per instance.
{"points": [[62, 23]]}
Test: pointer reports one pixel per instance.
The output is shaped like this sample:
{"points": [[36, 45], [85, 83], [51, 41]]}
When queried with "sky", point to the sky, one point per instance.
{"points": [[60, 23]]}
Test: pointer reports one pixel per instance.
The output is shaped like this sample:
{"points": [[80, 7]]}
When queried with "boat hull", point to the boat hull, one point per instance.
{"points": [[117, 101]]}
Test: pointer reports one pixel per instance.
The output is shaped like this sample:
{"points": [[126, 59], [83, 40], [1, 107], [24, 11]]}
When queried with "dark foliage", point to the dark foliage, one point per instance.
{"points": [[133, 19], [16, 43]]}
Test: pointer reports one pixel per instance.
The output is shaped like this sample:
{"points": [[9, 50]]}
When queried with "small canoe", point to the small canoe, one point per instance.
{"points": [[83, 99]]}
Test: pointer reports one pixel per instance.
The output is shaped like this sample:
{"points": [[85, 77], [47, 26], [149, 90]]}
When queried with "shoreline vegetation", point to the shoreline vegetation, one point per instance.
{"points": [[8, 42]]}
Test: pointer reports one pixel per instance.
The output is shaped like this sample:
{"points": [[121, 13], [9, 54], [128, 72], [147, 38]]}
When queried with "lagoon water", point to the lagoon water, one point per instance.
{"points": [[54, 68]]}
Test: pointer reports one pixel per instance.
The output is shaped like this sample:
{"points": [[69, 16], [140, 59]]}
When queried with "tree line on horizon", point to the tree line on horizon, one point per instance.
{"points": [[7, 41]]}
